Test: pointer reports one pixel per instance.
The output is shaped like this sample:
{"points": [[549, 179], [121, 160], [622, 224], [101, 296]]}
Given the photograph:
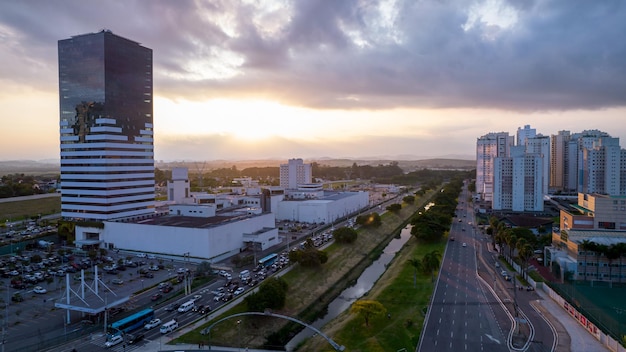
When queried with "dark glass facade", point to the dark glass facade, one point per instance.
{"points": [[107, 149], [105, 75]]}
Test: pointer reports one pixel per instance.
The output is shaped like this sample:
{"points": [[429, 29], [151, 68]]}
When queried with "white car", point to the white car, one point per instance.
{"points": [[141, 255], [239, 291], [114, 341], [39, 290], [464, 244], [218, 296], [152, 324], [151, 256]]}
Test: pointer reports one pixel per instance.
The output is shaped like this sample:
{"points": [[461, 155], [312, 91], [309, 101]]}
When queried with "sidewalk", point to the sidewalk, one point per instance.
{"points": [[580, 339]]}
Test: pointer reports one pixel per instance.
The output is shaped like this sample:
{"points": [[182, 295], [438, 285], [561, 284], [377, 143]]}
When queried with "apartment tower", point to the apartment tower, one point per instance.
{"points": [[489, 147], [106, 132], [295, 173]]}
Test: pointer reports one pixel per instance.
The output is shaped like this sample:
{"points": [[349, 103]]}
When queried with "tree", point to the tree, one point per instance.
{"points": [[409, 199], [271, 294], [345, 235], [394, 207], [525, 253], [431, 263], [416, 264], [203, 269], [371, 220], [367, 309], [612, 253]]}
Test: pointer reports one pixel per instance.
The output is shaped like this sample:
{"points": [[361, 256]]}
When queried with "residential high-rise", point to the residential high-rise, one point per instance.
{"points": [[489, 147], [560, 174], [518, 181], [602, 167], [523, 134], [106, 131], [540, 145], [295, 173]]}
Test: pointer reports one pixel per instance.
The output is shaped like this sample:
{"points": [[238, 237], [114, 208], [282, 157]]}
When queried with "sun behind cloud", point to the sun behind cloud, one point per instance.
{"points": [[243, 119]]}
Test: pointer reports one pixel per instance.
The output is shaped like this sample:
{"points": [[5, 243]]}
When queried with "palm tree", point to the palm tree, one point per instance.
{"points": [[511, 240], [431, 263], [621, 248], [525, 253], [612, 253], [416, 264]]}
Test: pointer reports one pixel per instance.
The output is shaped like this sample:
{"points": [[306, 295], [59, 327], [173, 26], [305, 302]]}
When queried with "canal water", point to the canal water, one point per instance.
{"points": [[362, 286]]}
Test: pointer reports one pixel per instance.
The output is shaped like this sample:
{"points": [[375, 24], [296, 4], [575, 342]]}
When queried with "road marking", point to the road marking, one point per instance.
{"points": [[437, 332], [492, 339]]}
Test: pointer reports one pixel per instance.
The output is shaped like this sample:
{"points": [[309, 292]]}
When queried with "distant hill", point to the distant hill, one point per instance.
{"points": [[42, 167], [407, 165], [47, 167]]}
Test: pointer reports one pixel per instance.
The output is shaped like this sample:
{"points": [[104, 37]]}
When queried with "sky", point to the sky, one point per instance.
{"points": [[247, 80]]}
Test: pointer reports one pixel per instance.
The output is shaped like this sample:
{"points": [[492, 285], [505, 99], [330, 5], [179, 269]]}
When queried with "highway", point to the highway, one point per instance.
{"points": [[463, 317], [473, 307]]}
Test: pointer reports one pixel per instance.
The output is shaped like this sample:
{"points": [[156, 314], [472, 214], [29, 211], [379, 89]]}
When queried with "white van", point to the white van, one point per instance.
{"points": [[169, 326], [244, 274], [185, 307]]}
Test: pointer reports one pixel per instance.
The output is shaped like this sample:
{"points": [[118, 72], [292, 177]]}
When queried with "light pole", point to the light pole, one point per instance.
{"points": [[105, 314], [239, 334]]}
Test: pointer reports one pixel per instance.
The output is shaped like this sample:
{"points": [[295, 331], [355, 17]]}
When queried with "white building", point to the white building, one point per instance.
{"points": [[211, 238], [602, 166], [523, 134], [178, 188], [325, 209], [489, 147], [518, 181], [540, 145], [294, 173]]}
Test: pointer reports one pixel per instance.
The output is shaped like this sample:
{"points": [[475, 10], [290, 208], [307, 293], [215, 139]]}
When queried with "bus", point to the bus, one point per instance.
{"points": [[130, 323], [268, 260]]}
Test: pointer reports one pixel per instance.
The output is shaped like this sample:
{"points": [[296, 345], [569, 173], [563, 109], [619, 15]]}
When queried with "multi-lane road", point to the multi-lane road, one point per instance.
{"points": [[473, 306]]}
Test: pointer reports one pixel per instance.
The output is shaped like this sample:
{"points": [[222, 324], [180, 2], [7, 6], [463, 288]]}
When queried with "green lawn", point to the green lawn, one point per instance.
{"points": [[405, 302], [24, 209]]}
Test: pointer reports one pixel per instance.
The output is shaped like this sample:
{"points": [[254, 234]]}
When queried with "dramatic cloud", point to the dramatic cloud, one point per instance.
{"points": [[358, 54]]}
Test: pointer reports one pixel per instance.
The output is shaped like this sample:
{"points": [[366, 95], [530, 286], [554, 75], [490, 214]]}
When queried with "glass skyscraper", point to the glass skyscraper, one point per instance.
{"points": [[107, 149]]}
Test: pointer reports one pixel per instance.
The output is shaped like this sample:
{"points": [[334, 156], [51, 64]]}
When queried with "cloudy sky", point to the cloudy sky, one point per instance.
{"points": [[322, 78]]}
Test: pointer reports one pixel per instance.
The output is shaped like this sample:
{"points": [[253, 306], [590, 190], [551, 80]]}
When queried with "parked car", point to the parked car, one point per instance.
{"points": [[114, 341], [152, 324]]}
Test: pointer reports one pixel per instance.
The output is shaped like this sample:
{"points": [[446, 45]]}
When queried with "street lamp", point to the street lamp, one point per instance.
{"points": [[239, 334]]}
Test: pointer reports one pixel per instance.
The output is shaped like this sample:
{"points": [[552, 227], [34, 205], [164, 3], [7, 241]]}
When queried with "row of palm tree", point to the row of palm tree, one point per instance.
{"points": [[428, 265], [610, 252], [520, 239]]}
